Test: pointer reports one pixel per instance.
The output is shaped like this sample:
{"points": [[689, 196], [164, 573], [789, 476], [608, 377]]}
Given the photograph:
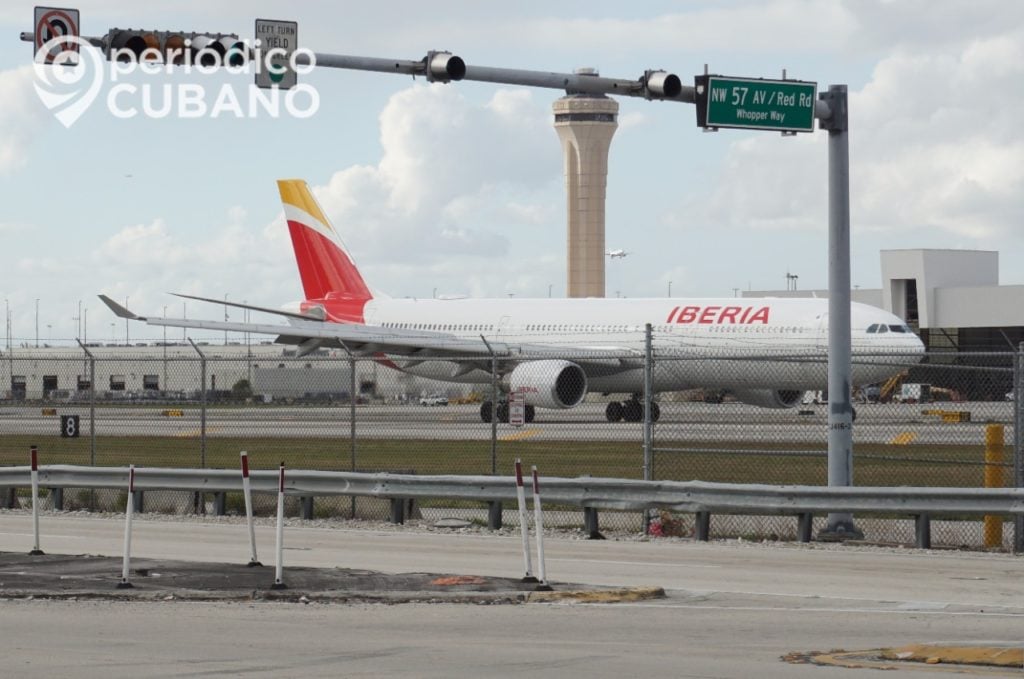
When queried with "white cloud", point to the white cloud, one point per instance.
{"points": [[20, 117], [633, 119], [145, 261], [934, 145], [455, 180]]}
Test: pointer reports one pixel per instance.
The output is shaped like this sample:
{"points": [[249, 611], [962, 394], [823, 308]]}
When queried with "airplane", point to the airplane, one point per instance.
{"points": [[766, 352], [616, 254]]}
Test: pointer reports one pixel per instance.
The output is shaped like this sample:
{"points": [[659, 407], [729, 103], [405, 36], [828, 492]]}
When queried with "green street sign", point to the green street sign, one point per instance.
{"points": [[755, 104]]}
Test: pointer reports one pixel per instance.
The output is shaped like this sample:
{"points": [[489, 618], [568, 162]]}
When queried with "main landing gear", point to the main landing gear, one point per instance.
{"points": [[630, 411], [485, 411]]}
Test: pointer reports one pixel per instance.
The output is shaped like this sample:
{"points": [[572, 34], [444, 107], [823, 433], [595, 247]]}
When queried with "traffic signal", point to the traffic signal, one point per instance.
{"points": [[444, 67], [661, 85], [176, 47], [130, 45]]}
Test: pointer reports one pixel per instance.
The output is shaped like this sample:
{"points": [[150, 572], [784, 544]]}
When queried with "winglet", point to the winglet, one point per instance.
{"points": [[120, 311]]}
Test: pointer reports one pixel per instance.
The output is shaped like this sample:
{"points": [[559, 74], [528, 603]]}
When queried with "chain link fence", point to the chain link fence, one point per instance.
{"points": [[947, 420]]}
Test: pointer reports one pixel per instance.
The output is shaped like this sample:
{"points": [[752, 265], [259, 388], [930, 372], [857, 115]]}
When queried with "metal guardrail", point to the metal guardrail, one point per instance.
{"points": [[584, 492]]}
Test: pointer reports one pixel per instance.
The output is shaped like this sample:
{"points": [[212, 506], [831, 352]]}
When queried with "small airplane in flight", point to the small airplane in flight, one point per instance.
{"points": [[767, 352], [616, 254]]}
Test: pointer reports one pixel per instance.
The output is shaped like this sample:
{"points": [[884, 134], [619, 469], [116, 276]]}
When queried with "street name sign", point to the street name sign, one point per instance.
{"points": [[755, 104]]}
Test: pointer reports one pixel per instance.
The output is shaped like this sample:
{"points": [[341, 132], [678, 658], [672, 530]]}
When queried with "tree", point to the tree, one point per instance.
{"points": [[242, 390]]}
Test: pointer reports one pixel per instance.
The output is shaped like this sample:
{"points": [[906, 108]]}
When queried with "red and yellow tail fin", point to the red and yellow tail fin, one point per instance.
{"points": [[325, 265]]}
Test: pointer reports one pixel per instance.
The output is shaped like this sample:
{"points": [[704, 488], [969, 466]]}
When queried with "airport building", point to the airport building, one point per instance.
{"points": [[953, 300], [155, 371], [585, 124]]}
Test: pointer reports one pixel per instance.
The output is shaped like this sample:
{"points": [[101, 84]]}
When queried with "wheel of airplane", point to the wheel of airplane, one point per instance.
{"points": [[502, 412], [613, 413], [655, 411], [854, 414], [485, 411], [633, 411], [531, 412]]}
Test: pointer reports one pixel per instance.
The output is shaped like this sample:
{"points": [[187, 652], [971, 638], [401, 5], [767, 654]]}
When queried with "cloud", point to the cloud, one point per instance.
{"points": [[935, 150], [145, 261], [20, 118], [454, 179]]}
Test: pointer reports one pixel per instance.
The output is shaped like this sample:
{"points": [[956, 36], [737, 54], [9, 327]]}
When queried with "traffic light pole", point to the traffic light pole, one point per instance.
{"points": [[840, 367]]}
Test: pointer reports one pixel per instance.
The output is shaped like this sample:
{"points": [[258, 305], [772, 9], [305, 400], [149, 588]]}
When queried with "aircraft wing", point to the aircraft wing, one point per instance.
{"points": [[310, 333]]}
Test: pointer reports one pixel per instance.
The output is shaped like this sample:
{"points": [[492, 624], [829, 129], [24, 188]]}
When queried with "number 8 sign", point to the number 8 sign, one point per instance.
{"points": [[69, 426]]}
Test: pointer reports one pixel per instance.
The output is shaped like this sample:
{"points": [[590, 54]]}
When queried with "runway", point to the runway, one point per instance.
{"points": [[897, 424]]}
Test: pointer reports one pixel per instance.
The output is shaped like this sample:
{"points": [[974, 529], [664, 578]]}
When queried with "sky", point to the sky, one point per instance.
{"points": [[458, 189]]}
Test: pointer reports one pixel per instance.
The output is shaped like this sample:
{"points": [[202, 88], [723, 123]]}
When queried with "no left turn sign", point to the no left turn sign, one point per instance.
{"points": [[55, 22]]}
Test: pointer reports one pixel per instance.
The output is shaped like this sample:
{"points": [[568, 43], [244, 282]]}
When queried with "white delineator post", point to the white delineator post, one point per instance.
{"points": [[524, 522], [34, 457], [279, 549], [247, 492], [126, 562], [538, 526]]}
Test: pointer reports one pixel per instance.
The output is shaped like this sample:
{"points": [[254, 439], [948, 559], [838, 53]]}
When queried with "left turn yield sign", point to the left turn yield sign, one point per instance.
{"points": [[51, 23]]}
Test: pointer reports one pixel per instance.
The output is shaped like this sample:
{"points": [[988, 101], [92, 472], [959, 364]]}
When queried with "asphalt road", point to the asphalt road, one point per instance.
{"points": [[733, 608], [876, 423]]}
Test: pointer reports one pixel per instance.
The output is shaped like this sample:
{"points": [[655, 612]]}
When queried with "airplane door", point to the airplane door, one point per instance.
{"points": [[503, 325]]}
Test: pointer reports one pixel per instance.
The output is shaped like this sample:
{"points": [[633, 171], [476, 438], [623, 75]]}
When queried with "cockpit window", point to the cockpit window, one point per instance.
{"points": [[882, 328], [898, 328], [873, 328]]}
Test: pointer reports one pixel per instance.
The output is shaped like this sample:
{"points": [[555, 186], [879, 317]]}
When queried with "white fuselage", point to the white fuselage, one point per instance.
{"points": [[733, 343]]}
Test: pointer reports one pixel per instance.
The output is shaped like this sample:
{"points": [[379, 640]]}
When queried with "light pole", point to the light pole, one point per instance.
{"points": [[49, 334], [549, 290], [248, 345], [163, 384], [225, 317], [112, 339], [126, 340], [670, 288], [184, 315], [37, 322]]}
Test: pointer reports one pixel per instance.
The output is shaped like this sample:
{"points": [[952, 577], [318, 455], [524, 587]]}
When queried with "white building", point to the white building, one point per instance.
{"points": [[953, 300]]}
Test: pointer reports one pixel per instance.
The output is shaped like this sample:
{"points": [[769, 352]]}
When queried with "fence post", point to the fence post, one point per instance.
{"points": [[1018, 442], [648, 454], [351, 416], [92, 402], [200, 503], [92, 420], [494, 407]]}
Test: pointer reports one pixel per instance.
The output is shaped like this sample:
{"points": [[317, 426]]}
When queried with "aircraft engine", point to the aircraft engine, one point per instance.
{"points": [[550, 383], [770, 398]]}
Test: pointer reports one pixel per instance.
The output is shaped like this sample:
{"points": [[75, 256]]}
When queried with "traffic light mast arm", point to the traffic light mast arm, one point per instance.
{"points": [[97, 42], [572, 82], [446, 67], [402, 66], [569, 82]]}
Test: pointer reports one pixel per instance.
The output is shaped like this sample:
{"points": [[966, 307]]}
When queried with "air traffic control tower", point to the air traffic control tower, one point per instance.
{"points": [[585, 124]]}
